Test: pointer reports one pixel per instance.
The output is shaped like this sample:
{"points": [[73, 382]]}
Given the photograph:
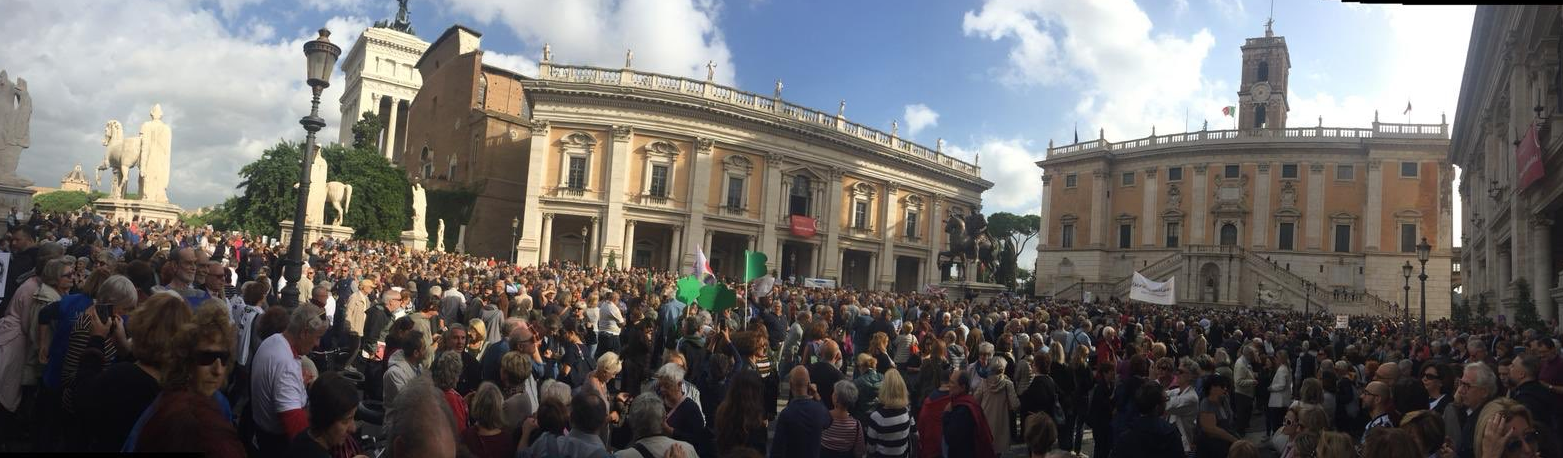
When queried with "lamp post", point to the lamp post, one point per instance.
{"points": [[320, 56], [1422, 252], [1307, 297], [515, 226], [586, 247], [1405, 305]]}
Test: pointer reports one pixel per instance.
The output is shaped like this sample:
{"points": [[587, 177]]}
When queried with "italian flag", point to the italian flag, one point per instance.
{"points": [[1228, 110]]}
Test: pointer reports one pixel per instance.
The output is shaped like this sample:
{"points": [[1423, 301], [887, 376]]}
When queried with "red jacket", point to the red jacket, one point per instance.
{"points": [[931, 426]]}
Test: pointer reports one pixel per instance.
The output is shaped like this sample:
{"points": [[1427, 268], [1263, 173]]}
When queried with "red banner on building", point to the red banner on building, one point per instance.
{"points": [[802, 226], [1529, 159]]}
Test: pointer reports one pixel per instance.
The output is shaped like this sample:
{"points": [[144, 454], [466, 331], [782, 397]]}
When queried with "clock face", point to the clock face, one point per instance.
{"points": [[1261, 91]]}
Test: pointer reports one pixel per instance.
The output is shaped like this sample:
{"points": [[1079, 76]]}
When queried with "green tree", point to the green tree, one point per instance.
{"points": [[1017, 230], [1483, 310], [1460, 312], [267, 196], [366, 132], [1525, 316], [64, 201], [380, 192]]}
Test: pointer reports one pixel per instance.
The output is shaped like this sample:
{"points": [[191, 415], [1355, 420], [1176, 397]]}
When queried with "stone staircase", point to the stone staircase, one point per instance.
{"points": [[1292, 290]]}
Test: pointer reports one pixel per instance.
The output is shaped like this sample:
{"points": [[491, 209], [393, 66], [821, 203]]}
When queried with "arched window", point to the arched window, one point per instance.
{"points": [[1229, 234], [1259, 116], [1264, 71], [800, 194]]}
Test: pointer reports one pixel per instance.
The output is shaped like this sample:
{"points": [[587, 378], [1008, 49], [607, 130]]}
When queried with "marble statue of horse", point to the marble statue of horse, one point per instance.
{"points": [[340, 196], [120, 154]]}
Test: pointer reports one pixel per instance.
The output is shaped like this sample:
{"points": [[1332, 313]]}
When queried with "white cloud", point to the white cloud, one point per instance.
{"points": [[1129, 78], [1010, 163], [513, 62], [1231, 9], [676, 37], [919, 117], [228, 92]]}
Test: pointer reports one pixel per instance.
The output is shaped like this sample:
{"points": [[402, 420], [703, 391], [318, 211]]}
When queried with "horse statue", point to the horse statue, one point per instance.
{"points": [[120, 154], [970, 243], [340, 196]]}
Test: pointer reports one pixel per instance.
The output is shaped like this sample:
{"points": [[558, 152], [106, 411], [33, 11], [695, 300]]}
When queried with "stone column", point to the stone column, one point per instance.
{"points": [[1200, 209], [1372, 235], [629, 245], [594, 254], [700, 181], [390, 132], [1541, 266], [831, 216], [887, 223], [705, 243], [936, 238], [1148, 217], [1099, 210], [533, 237], [1261, 219], [1314, 233], [619, 157], [771, 209], [548, 237], [676, 245]]}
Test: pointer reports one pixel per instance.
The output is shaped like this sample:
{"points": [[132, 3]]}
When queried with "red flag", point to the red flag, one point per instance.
{"points": [[1408, 107], [1529, 158]]}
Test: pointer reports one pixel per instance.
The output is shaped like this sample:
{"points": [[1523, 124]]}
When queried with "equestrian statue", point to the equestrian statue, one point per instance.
{"points": [[970, 244]]}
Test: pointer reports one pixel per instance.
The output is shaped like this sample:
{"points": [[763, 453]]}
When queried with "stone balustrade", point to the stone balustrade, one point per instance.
{"points": [[1209, 137], [736, 97]]}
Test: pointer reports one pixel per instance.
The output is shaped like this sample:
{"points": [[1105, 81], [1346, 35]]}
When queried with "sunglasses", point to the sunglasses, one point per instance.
{"points": [[1527, 438], [206, 358], [1430, 376]]}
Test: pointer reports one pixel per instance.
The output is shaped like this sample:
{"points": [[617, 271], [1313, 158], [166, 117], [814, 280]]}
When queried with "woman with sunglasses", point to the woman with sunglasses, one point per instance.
{"points": [[1509, 431], [1438, 380], [191, 416]]}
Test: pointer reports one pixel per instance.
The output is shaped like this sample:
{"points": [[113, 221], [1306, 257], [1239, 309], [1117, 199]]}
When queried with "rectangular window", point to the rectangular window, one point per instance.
{"points": [[1345, 172], [735, 192], [1128, 178], [911, 225], [1342, 238], [1172, 235], [1068, 237], [1407, 238], [1409, 170], [1455, 267], [577, 178], [1071, 180], [659, 181], [1288, 170], [860, 214], [1174, 173], [1125, 235], [1288, 235], [1232, 171]]}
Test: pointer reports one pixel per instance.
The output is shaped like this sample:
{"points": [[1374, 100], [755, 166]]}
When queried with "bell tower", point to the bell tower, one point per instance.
{"points": [[1266, 70]]}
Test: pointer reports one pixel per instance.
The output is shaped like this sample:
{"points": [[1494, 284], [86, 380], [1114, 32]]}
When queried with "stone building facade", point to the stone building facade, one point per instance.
{"points": [[381, 78], [635, 168], [1512, 87], [1267, 214]]}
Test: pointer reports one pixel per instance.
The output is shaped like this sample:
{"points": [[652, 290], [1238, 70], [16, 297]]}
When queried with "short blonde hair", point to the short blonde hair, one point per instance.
{"points": [[609, 363], [865, 361], [892, 390]]}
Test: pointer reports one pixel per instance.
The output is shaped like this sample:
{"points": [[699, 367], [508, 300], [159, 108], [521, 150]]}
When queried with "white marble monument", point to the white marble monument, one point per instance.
{"points": [[149, 152], [439, 238], [321, 192], [417, 238], [16, 111]]}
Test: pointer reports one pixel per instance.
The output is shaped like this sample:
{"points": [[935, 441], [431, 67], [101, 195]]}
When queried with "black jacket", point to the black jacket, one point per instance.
{"points": [[1542, 404], [1148, 437]]}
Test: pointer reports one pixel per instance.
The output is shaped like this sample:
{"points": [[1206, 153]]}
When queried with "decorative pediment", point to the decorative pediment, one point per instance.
{"points": [[1125, 218], [863, 190], [1068, 218], [1342, 218], [579, 139], [1287, 215], [1173, 215], [1408, 216], [662, 148], [913, 201]]}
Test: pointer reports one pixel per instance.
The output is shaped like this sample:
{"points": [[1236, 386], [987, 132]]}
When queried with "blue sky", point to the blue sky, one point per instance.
{"points": [[992, 77]]}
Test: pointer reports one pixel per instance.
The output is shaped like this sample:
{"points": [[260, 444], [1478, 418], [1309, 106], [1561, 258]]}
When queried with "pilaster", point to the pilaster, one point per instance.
{"points": [[619, 157], [1044, 231], [1314, 234], [700, 182], [936, 238], [548, 234], [626, 257], [1200, 209], [888, 220], [1372, 235], [1260, 218], [832, 216], [1098, 208], [532, 249], [1541, 266], [1148, 219], [770, 209]]}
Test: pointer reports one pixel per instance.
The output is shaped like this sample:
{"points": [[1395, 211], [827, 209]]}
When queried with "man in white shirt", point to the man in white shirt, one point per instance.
{"points": [[277, 381]]}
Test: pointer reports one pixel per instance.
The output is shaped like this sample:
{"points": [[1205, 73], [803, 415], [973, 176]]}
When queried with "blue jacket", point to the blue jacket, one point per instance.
{"points": [[798, 429]]}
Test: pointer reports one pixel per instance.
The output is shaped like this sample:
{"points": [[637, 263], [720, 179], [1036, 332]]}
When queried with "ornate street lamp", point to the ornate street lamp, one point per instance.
{"points": [[1422, 252], [515, 226], [320, 59], [585, 246], [1405, 270]]}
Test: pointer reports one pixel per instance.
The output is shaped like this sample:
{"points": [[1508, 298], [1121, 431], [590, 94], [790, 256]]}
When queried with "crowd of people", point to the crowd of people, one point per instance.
{"points": [[142, 337]]}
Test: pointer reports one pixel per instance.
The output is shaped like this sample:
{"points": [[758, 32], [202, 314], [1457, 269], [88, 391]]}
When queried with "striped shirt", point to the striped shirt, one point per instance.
{"points": [[889, 432], [765, 366], [843, 434]]}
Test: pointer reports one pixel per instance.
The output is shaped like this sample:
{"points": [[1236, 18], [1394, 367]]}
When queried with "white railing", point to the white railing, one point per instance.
{"points": [[1379, 130], [774, 105]]}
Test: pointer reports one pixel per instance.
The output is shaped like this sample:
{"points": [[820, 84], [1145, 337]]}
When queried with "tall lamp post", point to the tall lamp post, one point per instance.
{"points": [[515, 226], [1405, 305], [1422, 252], [320, 56]]}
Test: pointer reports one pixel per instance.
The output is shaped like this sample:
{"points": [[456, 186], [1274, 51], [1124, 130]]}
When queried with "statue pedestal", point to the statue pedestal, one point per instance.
{"points": [[415, 240], [313, 232], [18, 197], [126, 210], [956, 290]]}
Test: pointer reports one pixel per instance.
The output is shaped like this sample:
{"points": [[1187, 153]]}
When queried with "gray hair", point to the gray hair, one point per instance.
{"points": [[117, 288], [997, 364], [985, 348], [307, 318], [670, 373], [510, 324], [1485, 379], [412, 414], [446, 370], [556, 390], [52, 271], [646, 415], [846, 393]]}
